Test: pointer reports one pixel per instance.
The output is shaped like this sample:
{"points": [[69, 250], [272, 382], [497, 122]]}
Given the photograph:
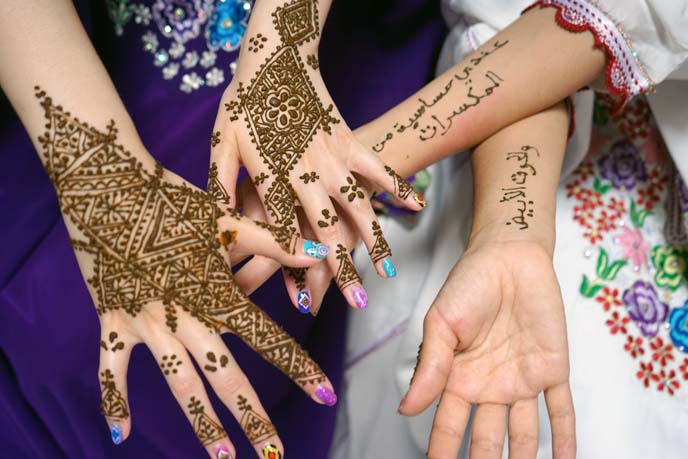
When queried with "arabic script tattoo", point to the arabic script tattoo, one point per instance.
{"points": [[153, 241], [427, 122], [257, 428], [517, 192]]}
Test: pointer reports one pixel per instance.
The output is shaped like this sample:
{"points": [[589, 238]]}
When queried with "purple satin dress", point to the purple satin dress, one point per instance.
{"points": [[373, 55]]}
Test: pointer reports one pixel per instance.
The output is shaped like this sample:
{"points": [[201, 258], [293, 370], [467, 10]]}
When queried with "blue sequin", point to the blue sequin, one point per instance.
{"points": [[227, 24]]}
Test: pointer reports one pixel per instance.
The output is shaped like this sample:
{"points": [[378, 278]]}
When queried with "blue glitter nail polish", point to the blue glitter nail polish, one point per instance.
{"points": [[389, 268], [315, 249], [116, 433], [303, 298]]}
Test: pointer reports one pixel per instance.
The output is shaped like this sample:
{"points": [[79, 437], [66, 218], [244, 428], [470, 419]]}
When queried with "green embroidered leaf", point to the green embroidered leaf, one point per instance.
{"points": [[638, 216], [602, 262], [589, 289], [599, 187], [613, 269]]}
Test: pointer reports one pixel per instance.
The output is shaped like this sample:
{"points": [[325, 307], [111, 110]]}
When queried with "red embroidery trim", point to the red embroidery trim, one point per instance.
{"points": [[622, 81]]}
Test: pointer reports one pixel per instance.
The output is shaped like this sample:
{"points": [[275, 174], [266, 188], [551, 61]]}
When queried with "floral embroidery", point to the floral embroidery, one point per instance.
{"points": [[184, 36], [639, 280]]}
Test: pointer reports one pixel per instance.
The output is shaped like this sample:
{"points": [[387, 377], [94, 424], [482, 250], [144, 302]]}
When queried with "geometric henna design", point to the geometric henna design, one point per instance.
{"points": [[207, 430], [353, 189], [297, 22], [152, 240], [381, 249], [329, 219], [257, 428], [401, 187], [112, 405], [215, 139], [215, 187], [212, 366], [346, 273], [169, 364], [115, 345]]}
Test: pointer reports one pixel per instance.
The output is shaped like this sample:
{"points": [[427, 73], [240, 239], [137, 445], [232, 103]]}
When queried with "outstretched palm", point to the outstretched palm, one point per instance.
{"points": [[496, 337]]}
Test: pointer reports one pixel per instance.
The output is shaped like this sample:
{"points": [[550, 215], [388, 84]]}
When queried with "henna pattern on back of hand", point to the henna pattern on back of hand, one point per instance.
{"points": [[153, 241]]}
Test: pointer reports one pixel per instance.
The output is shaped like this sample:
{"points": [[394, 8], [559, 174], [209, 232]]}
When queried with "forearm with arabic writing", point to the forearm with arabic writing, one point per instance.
{"points": [[526, 68]]}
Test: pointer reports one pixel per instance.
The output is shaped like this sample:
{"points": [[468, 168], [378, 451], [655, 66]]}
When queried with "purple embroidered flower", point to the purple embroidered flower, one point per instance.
{"points": [[645, 307], [622, 166], [181, 19]]}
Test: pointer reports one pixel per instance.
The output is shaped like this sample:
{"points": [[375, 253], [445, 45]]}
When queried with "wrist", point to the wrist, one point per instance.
{"points": [[494, 229]]}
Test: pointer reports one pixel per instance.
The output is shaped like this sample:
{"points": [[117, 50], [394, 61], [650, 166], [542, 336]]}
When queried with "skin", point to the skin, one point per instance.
{"points": [[67, 67]]}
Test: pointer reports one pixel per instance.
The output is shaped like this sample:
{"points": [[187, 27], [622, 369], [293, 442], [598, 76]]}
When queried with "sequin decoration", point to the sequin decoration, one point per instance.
{"points": [[186, 38]]}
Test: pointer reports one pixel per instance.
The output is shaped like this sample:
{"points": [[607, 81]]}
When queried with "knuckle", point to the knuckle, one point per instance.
{"points": [[184, 384], [520, 439], [440, 428], [329, 234], [232, 382], [486, 443]]}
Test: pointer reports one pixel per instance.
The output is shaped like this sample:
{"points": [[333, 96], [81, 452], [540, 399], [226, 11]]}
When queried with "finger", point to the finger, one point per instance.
{"points": [[224, 167], [282, 244], [256, 272], [370, 166], [562, 418], [356, 204], [489, 429], [318, 208], [187, 388], [232, 387], [523, 429], [318, 278], [115, 350], [448, 426], [434, 364]]}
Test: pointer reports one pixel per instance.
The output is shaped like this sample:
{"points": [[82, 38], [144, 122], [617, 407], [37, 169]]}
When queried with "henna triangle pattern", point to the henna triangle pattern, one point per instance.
{"points": [[207, 430], [153, 241], [257, 428], [113, 405]]}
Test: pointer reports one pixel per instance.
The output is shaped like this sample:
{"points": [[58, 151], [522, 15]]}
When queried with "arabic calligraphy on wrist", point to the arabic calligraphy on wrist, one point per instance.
{"points": [[517, 191], [430, 124]]}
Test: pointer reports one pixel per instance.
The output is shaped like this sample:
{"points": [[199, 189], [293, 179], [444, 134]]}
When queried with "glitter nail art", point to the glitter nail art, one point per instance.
{"points": [[116, 434], [360, 297], [326, 396]]}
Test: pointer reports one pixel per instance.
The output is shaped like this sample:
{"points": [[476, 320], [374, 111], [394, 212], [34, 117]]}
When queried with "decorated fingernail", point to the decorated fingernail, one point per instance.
{"points": [[116, 434], [326, 396], [271, 452], [222, 452], [315, 249], [419, 199], [389, 268], [360, 298], [303, 298]]}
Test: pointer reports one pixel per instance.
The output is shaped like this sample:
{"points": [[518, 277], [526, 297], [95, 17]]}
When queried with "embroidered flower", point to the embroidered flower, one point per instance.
{"points": [[645, 307], [622, 166], [671, 266], [634, 346], [678, 321], [684, 369], [635, 247], [180, 19], [608, 298], [227, 24], [667, 380], [646, 373], [284, 109], [661, 352], [617, 324]]}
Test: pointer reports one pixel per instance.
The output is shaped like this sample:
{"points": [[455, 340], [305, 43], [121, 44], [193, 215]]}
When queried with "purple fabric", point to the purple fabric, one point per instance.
{"points": [[374, 54]]}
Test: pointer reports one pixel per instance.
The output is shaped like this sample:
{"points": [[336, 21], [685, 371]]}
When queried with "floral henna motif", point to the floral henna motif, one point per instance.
{"points": [[401, 188], [113, 405], [309, 177], [207, 430], [329, 218], [257, 428], [215, 187], [257, 43], [352, 190], [381, 249], [214, 362], [169, 364], [152, 240], [346, 273]]}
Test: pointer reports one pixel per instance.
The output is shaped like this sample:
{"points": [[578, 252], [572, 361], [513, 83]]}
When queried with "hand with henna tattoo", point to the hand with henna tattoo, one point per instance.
{"points": [[154, 252], [278, 120]]}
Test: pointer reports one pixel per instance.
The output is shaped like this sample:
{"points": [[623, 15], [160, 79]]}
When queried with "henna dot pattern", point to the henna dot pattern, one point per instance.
{"points": [[215, 139], [114, 343], [257, 43], [152, 240], [207, 430], [257, 428], [169, 364], [352, 189], [312, 60], [113, 406], [214, 362]]}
